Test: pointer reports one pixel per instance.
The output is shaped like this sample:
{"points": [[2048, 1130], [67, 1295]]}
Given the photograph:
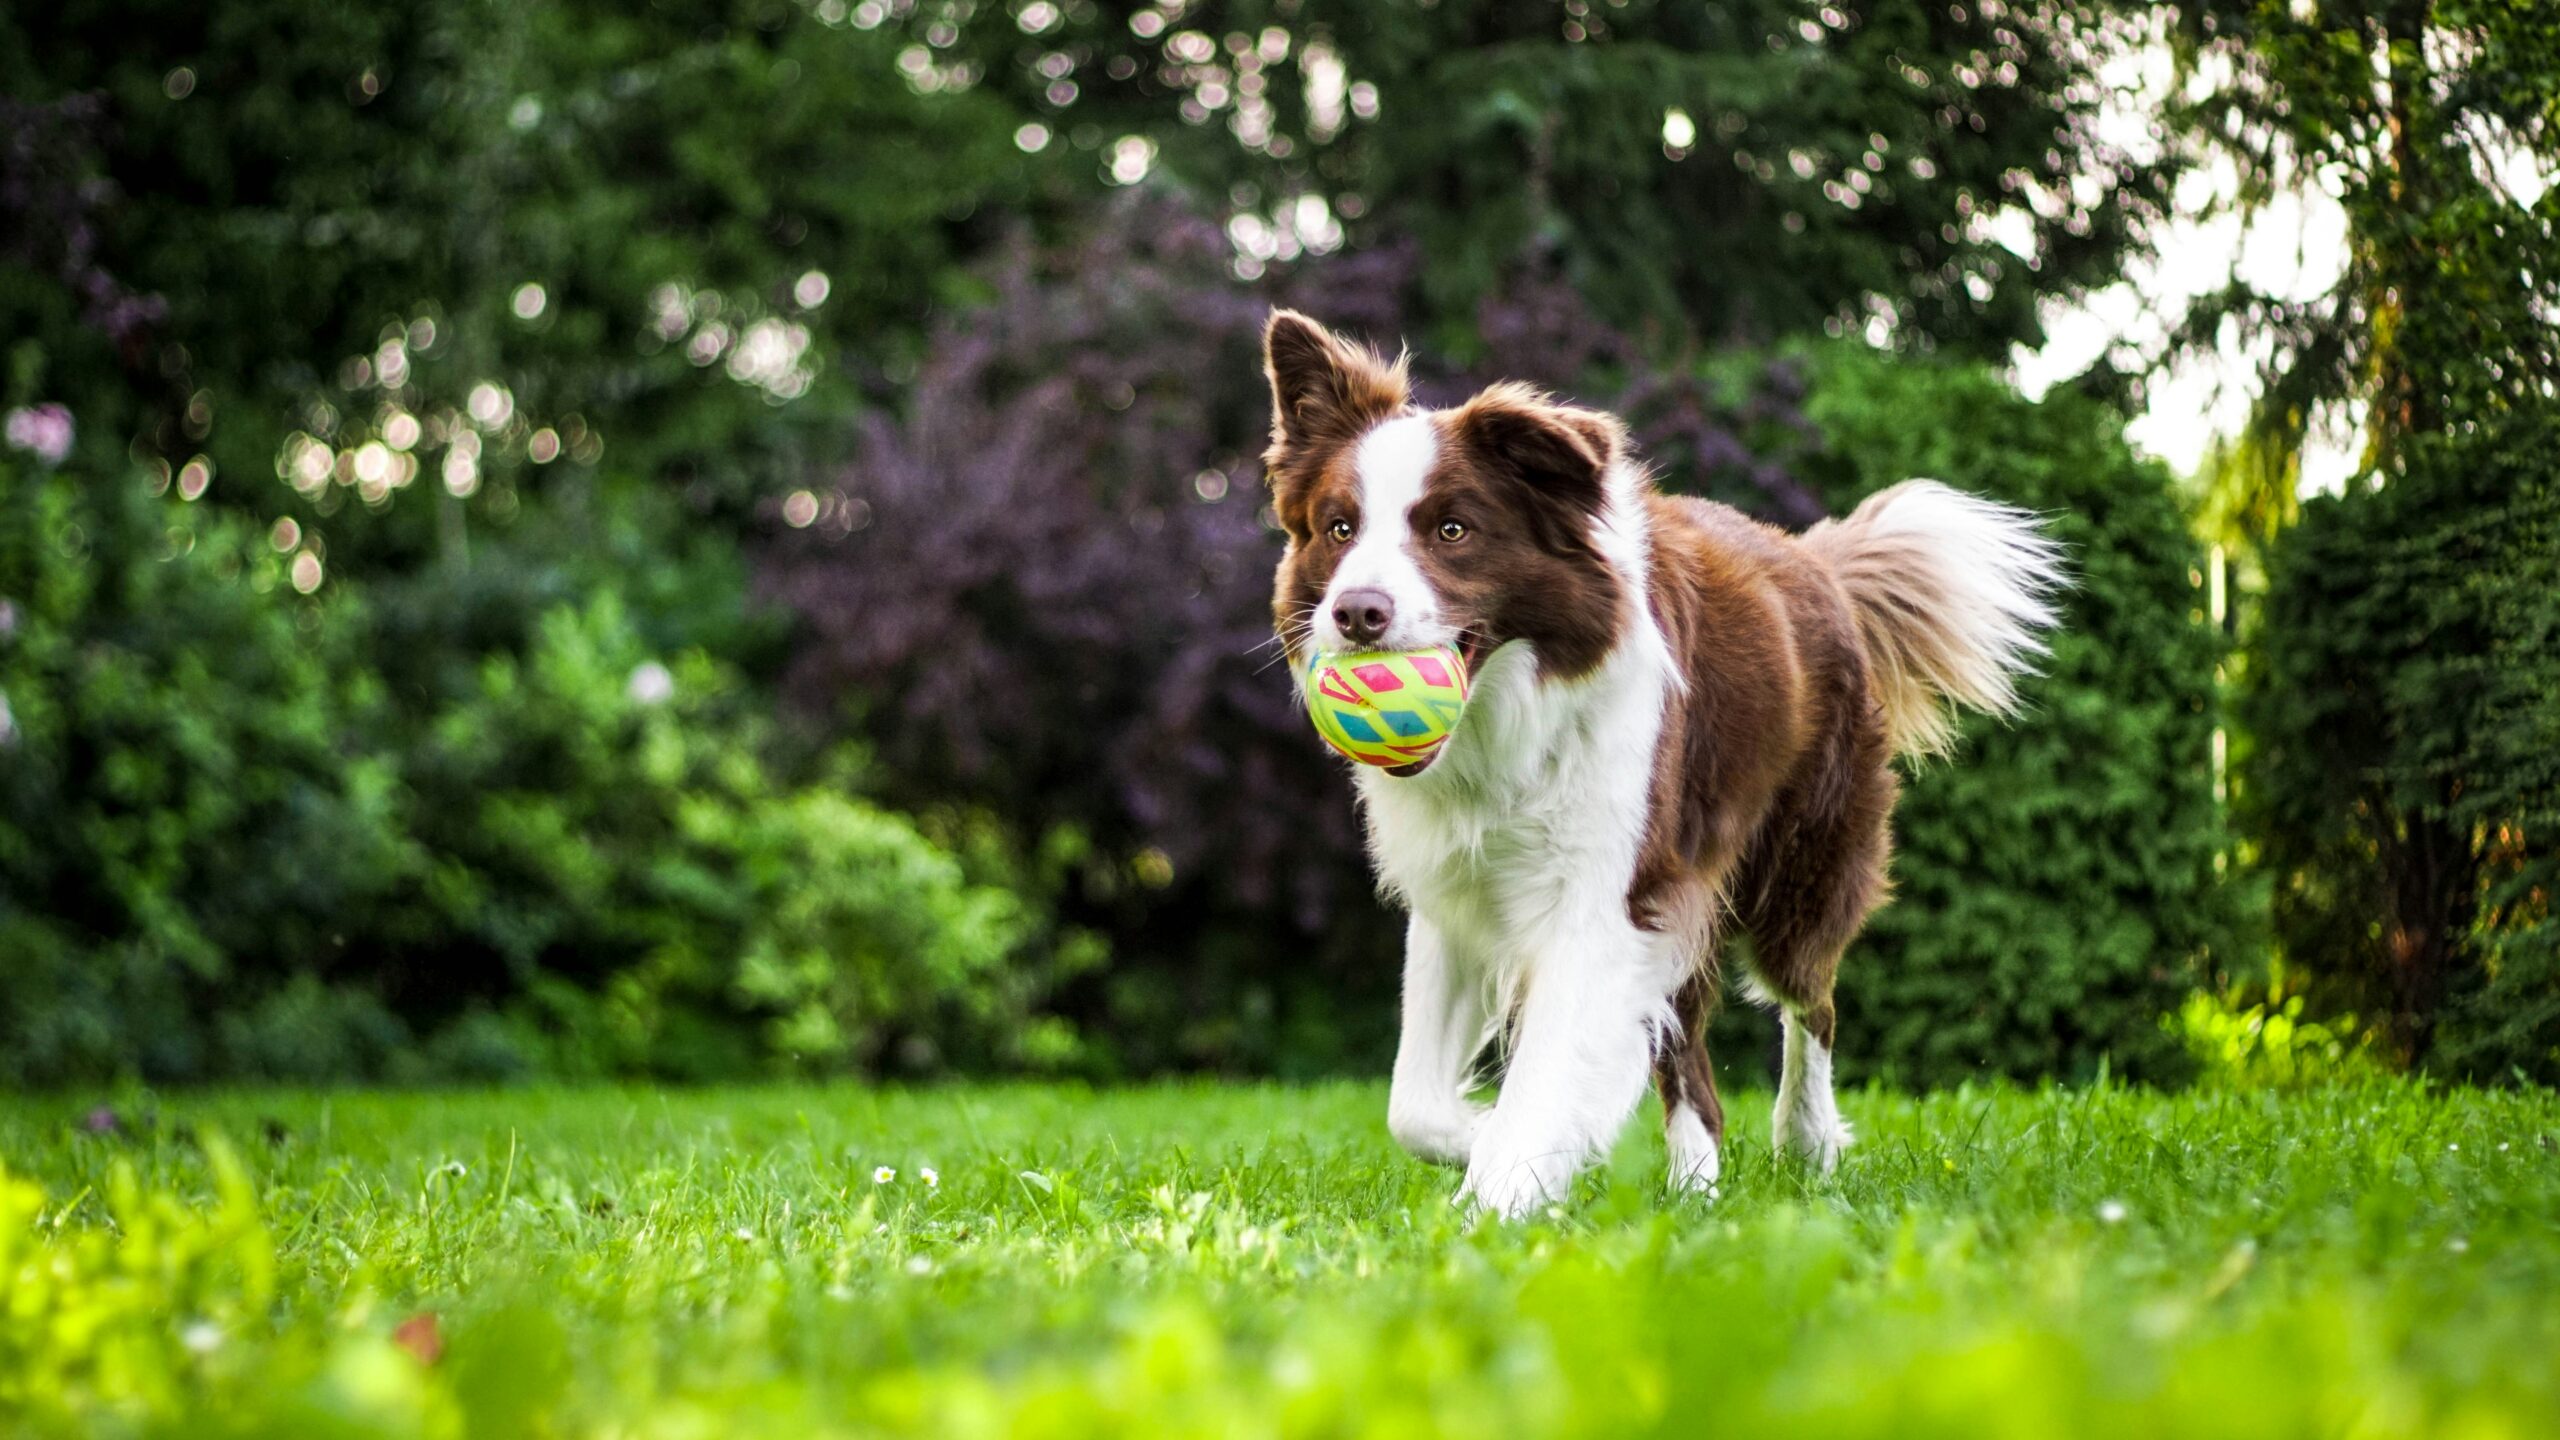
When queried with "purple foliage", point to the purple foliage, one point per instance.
{"points": [[1044, 582], [52, 201]]}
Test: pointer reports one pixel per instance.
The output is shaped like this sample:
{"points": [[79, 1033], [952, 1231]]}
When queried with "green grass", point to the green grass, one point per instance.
{"points": [[2378, 1260]]}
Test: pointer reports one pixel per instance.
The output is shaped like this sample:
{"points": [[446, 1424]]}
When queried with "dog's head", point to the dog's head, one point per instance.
{"points": [[1474, 527]]}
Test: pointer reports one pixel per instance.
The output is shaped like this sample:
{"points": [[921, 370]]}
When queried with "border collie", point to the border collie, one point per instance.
{"points": [[1682, 720]]}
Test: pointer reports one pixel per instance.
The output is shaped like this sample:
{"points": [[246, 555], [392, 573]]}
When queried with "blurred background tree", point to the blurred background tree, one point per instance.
{"points": [[1730, 172], [2396, 704], [722, 535]]}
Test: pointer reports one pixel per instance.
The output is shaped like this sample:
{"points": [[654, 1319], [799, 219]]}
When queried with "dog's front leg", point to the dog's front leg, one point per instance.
{"points": [[1445, 1009], [1583, 1054]]}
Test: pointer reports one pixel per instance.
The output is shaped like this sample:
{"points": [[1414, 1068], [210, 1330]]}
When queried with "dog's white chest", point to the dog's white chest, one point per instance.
{"points": [[1532, 820]]}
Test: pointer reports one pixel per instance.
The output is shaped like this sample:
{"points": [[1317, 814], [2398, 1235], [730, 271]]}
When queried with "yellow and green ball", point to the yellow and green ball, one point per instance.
{"points": [[1387, 708]]}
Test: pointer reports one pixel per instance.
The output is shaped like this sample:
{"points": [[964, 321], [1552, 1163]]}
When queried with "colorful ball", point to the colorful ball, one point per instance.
{"points": [[1387, 708]]}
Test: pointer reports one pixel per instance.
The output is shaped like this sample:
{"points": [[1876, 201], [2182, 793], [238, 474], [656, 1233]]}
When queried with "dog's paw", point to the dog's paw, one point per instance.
{"points": [[1506, 1184], [1696, 1161], [1816, 1139]]}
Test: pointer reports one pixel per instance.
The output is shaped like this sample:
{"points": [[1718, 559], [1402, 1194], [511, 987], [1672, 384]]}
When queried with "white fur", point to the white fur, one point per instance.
{"points": [[1695, 1165], [1952, 592], [1447, 1019], [1514, 851], [1807, 1119], [1393, 462]]}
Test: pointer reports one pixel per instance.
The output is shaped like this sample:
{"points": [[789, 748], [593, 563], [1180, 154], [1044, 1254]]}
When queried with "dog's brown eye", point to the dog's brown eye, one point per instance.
{"points": [[1340, 530], [1452, 531]]}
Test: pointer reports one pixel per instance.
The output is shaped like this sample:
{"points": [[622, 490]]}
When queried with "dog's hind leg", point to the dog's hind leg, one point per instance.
{"points": [[1821, 889], [1807, 1119], [1692, 1116]]}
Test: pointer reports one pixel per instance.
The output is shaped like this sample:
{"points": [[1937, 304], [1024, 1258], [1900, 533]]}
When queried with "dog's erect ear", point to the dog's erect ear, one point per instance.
{"points": [[1558, 454], [1323, 387]]}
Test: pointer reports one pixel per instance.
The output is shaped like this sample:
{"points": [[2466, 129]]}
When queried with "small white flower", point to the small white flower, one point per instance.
{"points": [[931, 1177], [919, 1265], [746, 1234], [2111, 1212], [883, 1175], [2456, 1145], [651, 684], [202, 1338], [2457, 1245]]}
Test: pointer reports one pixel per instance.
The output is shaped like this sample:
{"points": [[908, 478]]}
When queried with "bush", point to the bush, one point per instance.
{"points": [[2056, 882], [181, 816], [2404, 782], [607, 841], [2245, 1041], [225, 851]]}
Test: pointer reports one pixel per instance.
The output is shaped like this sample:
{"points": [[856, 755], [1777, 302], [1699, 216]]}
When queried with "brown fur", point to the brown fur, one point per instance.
{"points": [[1772, 788], [1520, 473]]}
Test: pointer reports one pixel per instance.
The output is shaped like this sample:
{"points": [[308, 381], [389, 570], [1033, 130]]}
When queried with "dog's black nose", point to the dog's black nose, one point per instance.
{"points": [[1363, 615]]}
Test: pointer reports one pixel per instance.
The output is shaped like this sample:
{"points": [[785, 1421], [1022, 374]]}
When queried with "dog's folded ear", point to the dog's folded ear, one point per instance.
{"points": [[1324, 389], [1559, 454]]}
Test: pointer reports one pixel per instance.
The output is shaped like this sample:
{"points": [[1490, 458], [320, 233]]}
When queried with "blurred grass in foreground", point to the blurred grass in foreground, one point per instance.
{"points": [[2371, 1260]]}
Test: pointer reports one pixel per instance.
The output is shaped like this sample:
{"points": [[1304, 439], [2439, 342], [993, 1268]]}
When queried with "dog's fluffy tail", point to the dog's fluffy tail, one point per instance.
{"points": [[1951, 593]]}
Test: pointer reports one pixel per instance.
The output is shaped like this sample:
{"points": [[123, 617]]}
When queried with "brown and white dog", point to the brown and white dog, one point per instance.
{"points": [[1682, 719]]}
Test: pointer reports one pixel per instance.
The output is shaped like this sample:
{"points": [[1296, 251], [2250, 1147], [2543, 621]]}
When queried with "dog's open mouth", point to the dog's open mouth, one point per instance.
{"points": [[1471, 648]]}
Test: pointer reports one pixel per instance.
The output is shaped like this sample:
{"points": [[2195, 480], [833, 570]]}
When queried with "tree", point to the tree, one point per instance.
{"points": [[1737, 170], [2428, 121], [494, 243], [2384, 788]]}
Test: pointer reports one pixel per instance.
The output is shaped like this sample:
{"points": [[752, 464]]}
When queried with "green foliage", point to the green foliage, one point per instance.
{"points": [[218, 856], [2395, 767], [2240, 1041], [2374, 1259], [342, 207], [601, 818], [176, 802], [2414, 116], [510, 307], [1828, 164], [92, 1327], [2056, 881], [2404, 699]]}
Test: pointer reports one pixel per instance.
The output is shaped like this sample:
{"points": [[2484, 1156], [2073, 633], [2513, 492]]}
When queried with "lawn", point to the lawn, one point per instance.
{"points": [[2378, 1260]]}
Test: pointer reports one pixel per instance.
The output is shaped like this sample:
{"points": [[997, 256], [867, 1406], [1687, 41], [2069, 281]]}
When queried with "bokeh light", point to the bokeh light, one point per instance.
{"points": [[1131, 157], [491, 405]]}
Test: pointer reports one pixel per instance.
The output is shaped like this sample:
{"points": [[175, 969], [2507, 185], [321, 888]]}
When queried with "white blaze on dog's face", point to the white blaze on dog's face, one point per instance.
{"points": [[1408, 528], [1379, 570]]}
